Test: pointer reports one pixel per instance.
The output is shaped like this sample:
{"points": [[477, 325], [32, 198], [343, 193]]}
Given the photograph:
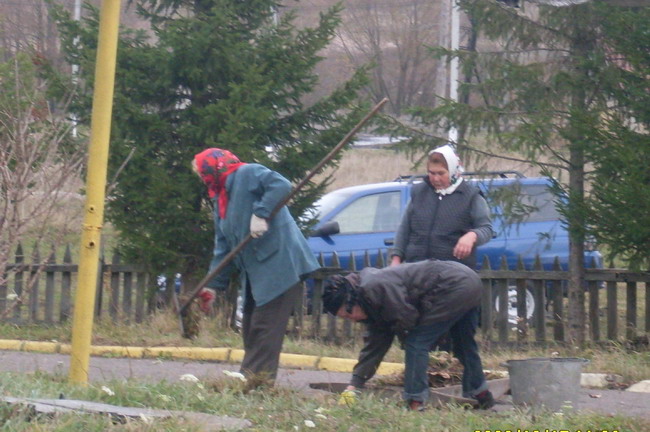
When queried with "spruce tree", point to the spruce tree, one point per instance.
{"points": [[210, 73], [564, 88], [620, 210]]}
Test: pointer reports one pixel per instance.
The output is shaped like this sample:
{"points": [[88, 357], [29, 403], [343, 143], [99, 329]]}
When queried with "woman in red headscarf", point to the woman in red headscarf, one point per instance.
{"points": [[273, 263]]}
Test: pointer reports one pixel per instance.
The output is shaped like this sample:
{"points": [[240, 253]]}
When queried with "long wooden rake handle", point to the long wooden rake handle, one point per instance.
{"points": [[233, 252]]}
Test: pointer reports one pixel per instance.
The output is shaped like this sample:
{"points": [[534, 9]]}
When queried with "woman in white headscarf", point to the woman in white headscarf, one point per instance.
{"points": [[446, 218]]}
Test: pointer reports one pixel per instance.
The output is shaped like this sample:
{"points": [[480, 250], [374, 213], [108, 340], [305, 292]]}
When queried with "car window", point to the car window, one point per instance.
{"points": [[540, 198], [516, 203], [329, 202], [371, 213]]}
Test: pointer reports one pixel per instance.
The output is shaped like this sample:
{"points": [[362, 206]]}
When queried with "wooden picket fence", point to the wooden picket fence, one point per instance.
{"points": [[617, 300], [617, 305], [41, 291]]}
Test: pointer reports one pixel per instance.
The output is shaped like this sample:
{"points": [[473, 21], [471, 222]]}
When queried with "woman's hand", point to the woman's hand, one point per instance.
{"points": [[465, 245], [258, 226]]}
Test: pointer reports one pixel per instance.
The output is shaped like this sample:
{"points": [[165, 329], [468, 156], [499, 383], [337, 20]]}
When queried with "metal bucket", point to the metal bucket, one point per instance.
{"points": [[546, 383]]}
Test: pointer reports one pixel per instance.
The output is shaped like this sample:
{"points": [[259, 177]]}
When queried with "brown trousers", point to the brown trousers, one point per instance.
{"points": [[263, 330]]}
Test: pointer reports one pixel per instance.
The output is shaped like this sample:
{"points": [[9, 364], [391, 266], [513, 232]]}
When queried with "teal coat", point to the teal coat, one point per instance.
{"points": [[274, 262]]}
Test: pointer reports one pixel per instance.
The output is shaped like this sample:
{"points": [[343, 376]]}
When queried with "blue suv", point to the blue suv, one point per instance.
{"points": [[362, 220]]}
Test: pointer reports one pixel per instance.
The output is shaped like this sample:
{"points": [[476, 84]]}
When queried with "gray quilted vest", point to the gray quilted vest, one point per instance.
{"points": [[438, 221]]}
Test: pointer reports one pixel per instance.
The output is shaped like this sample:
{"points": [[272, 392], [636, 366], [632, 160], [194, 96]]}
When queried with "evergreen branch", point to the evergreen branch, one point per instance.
{"points": [[555, 153], [484, 95], [522, 21], [505, 52], [463, 146]]}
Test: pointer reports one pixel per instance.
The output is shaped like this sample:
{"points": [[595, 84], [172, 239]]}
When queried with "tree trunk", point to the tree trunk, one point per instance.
{"points": [[576, 312], [576, 216]]}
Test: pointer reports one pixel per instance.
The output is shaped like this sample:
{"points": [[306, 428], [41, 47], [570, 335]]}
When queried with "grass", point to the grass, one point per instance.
{"points": [[275, 409]]}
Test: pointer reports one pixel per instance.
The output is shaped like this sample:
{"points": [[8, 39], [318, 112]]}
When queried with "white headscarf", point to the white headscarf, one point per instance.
{"points": [[453, 165]]}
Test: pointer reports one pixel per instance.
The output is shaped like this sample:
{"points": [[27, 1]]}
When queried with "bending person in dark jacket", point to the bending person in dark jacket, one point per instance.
{"points": [[418, 302]]}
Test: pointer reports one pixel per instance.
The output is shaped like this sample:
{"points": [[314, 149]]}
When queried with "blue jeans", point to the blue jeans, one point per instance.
{"points": [[417, 343]]}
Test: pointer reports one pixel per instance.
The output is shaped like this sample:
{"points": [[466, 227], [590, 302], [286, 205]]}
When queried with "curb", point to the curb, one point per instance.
{"points": [[641, 387], [226, 355]]}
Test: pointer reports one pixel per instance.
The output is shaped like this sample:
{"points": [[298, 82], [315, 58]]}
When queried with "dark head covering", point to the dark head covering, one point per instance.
{"points": [[340, 290]]}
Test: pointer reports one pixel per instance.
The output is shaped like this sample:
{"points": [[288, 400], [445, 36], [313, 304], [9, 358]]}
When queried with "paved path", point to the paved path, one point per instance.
{"points": [[606, 402], [151, 370]]}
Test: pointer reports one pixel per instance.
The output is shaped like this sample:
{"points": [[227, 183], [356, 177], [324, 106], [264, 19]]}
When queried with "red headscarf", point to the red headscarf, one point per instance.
{"points": [[214, 166]]}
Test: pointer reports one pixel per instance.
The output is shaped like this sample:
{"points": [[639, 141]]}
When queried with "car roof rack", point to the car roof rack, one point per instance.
{"points": [[501, 174], [409, 178]]}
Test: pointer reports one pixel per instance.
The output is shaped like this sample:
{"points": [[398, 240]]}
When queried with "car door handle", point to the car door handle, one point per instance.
{"points": [[389, 241]]}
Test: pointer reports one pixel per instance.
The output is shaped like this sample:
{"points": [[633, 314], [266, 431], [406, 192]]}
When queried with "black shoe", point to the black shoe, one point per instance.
{"points": [[485, 399]]}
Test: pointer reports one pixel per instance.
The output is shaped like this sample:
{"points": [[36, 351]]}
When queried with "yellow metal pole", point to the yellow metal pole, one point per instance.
{"points": [[100, 130]]}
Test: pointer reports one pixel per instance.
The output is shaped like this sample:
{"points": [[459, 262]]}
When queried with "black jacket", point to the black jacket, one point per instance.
{"points": [[402, 297]]}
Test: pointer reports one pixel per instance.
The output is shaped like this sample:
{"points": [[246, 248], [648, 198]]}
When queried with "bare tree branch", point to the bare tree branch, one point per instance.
{"points": [[40, 163]]}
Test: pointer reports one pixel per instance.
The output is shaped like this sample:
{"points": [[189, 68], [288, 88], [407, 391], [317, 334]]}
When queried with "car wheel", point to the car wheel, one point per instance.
{"points": [[512, 305]]}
